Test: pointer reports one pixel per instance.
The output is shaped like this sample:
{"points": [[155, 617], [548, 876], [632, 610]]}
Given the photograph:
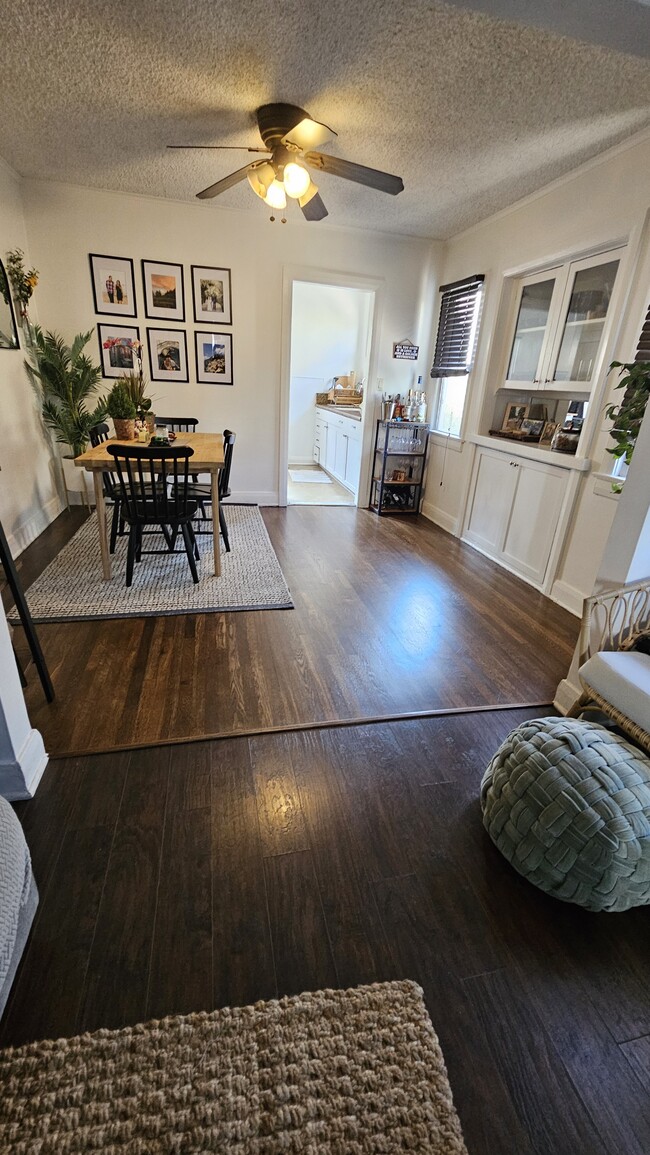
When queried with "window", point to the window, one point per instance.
{"points": [[458, 325]]}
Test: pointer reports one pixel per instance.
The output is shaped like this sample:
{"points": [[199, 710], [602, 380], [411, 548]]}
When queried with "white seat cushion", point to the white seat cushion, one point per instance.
{"points": [[622, 678]]}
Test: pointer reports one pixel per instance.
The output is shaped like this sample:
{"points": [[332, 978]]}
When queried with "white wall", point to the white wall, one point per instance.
{"points": [[65, 224], [605, 201], [29, 498], [329, 329]]}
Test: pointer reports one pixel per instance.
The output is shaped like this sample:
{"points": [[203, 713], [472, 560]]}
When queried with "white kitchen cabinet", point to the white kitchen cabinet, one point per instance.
{"points": [[337, 446], [558, 324], [514, 510]]}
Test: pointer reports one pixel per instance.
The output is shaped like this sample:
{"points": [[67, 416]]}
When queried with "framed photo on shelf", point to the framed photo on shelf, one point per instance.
{"points": [[164, 298], [514, 415], [113, 284], [213, 357], [115, 349], [211, 294], [398, 475], [532, 428], [549, 430], [167, 354]]}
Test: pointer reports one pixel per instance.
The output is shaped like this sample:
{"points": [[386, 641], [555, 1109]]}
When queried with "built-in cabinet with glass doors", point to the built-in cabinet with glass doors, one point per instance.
{"points": [[560, 318]]}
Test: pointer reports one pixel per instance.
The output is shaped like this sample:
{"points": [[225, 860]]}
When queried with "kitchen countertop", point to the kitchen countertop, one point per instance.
{"points": [[351, 411]]}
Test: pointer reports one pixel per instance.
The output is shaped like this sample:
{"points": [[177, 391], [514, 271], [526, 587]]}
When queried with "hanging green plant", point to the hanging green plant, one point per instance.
{"points": [[627, 417]]}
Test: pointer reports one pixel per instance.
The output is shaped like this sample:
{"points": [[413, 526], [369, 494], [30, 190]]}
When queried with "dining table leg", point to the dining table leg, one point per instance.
{"points": [[216, 543], [100, 504]]}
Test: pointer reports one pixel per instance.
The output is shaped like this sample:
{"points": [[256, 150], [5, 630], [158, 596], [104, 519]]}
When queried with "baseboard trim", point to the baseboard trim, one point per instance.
{"points": [[34, 526], [440, 517], [568, 597], [19, 779]]}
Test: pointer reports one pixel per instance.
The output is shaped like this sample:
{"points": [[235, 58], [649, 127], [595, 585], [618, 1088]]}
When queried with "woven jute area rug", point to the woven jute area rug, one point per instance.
{"points": [[72, 588], [357, 1071]]}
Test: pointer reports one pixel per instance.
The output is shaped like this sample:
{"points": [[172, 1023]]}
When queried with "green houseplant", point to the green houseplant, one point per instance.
{"points": [[66, 380], [122, 408], [628, 415]]}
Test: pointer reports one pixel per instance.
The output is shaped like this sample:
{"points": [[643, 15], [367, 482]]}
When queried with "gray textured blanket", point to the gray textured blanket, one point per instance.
{"points": [[18, 896]]}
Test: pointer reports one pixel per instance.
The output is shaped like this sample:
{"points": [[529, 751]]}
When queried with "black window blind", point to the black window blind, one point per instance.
{"points": [[454, 356], [643, 348]]}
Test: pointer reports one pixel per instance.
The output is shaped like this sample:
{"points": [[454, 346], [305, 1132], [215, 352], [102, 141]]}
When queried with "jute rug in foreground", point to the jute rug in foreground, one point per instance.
{"points": [[72, 589], [356, 1071]]}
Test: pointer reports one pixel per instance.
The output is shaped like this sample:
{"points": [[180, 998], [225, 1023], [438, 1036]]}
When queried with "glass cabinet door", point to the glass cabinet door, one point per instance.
{"points": [[586, 310], [530, 331]]}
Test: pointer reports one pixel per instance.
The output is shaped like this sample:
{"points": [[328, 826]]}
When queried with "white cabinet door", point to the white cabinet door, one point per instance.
{"points": [[330, 448], [514, 510], [536, 319], [493, 492], [353, 463], [340, 454], [534, 515]]}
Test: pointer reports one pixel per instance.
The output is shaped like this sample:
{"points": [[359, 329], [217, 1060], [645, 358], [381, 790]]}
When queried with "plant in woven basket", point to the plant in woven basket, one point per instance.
{"points": [[134, 381], [120, 402], [627, 417], [66, 379]]}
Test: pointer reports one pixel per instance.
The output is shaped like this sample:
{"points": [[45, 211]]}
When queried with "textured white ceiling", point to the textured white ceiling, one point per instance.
{"points": [[473, 112]]}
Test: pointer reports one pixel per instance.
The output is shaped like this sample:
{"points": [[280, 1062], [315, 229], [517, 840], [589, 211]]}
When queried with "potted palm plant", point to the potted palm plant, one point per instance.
{"points": [[65, 379]]}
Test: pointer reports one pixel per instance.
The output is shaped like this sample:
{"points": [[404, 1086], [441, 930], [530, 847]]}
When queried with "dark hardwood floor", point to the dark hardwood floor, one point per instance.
{"points": [[193, 876], [391, 616]]}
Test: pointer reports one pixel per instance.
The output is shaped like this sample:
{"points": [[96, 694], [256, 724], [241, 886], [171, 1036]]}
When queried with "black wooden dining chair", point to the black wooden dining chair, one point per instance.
{"points": [[145, 502], [202, 494], [98, 434], [178, 424]]}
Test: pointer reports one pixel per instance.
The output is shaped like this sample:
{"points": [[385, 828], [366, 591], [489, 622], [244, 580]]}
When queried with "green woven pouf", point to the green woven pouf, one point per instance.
{"points": [[568, 804]]}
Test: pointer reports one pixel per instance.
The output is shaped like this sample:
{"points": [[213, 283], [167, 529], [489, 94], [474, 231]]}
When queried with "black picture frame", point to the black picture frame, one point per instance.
{"points": [[119, 269], [218, 375], [168, 312], [106, 330], [220, 313], [156, 344]]}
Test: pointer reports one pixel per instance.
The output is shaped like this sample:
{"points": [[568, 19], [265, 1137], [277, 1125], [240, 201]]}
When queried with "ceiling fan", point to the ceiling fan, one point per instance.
{"points": [[290, 138]]}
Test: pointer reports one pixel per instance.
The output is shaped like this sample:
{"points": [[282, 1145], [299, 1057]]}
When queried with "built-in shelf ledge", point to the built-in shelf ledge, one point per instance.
{"points": [[533, 452]]}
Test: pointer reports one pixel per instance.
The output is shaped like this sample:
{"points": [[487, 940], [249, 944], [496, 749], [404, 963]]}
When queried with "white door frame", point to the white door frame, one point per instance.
{"points": [[293, 273]]}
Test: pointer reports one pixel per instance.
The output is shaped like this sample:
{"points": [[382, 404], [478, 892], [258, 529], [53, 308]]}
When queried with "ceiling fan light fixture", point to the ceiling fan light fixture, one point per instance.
{"points": [[275, 196], [296, 180], [260, 179]]}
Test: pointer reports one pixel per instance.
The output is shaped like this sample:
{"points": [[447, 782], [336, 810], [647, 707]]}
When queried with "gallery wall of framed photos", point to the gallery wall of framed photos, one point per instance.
{"points": [[115, 295]]}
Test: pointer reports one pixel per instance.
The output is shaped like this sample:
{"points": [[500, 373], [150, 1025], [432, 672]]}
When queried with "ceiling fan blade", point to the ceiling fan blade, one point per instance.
{"points": [[371, 177], [308, 133], [238, 147], [227, 182], [313, 209]]}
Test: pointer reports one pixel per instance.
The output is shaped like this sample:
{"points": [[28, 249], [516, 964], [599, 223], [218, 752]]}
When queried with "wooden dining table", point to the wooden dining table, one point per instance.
{"points": [[207, 458]]}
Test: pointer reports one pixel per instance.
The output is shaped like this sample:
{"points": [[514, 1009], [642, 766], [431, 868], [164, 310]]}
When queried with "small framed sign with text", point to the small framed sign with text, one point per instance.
{"points": [[406, 351]]}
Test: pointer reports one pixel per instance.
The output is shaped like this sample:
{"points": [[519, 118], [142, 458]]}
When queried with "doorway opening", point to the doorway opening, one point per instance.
{"points": [[331, 333]]}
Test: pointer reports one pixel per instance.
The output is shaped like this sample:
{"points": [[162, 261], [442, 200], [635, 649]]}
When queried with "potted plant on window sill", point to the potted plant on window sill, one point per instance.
{"points": [[65, 380], [627, 417]]}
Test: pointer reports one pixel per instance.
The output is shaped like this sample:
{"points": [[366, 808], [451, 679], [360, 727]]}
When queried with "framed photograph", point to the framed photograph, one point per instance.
{"points": [[532, 428], [514, 415], [213, 357], [211, 292], [164, 298], [115, 349], [548, 432], [167, 354], [398, 475], [113, 285]]}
